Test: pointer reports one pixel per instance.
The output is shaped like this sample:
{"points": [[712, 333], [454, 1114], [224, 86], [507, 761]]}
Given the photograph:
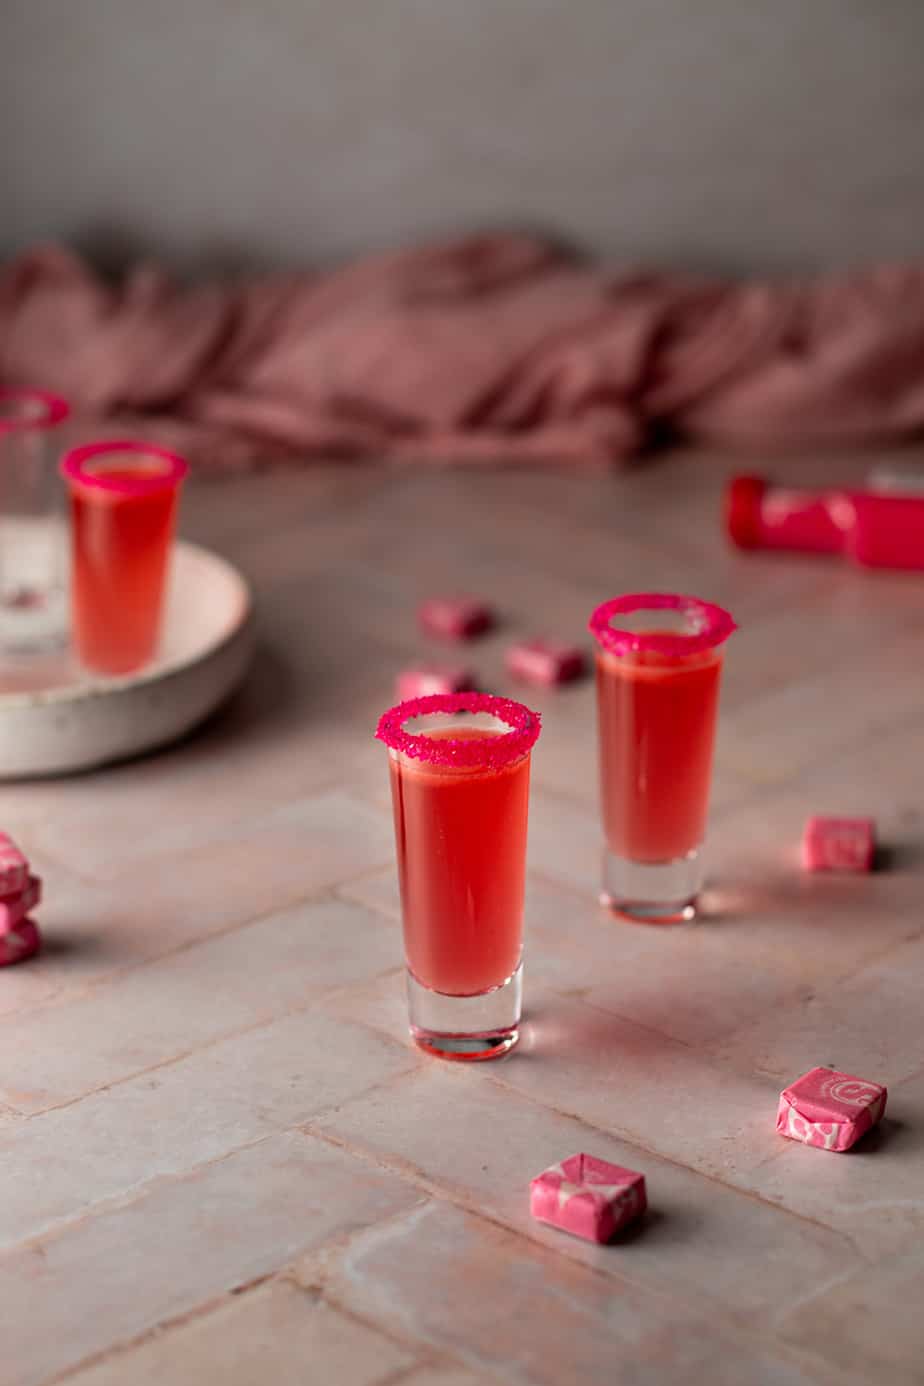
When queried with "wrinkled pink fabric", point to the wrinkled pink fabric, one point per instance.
{"points": [[493, 348]]}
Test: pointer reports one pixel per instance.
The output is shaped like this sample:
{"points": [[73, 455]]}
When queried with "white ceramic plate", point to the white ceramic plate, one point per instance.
{"points": [[55, 718]]}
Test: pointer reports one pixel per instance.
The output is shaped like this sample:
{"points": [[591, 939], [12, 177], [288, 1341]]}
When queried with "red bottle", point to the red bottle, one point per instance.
{"points": [[876, 529]]}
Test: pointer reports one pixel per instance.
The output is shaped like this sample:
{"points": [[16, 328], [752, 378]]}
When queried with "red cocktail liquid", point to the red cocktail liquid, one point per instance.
{"points": [[461, 843], [460, 791], [657, 717], [123, 513], [658, 671]]}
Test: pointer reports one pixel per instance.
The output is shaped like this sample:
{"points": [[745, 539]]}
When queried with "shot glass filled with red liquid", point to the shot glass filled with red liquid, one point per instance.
{"points": [[123, 499], [659, 664], [459, 765]]}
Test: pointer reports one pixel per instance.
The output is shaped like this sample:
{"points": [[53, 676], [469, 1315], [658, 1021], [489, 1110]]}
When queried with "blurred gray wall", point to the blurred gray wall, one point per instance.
{"points": [[719, 133]]}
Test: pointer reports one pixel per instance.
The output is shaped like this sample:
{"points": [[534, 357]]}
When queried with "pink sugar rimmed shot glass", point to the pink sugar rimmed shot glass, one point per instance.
{"points": [[123, 496], [459, 767], [33, 549], [659, 663]]}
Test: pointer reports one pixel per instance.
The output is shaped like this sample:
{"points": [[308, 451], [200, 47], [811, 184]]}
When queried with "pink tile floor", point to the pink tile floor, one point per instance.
{"points": [[222, 1161]]}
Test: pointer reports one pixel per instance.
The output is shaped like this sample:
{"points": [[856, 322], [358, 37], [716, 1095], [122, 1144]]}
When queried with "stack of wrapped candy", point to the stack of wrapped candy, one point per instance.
{"points": [[20, 893]]}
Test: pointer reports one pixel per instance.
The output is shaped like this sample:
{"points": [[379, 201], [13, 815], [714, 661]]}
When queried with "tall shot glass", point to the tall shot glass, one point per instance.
{"points": [[33, 549], [659, 664], [459, 767]]}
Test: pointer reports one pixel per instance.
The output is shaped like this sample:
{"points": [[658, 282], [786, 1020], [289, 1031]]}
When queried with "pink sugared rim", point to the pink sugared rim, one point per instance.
{"points": [[54, 409], [76, 468], [494, 751], [712, 625]]}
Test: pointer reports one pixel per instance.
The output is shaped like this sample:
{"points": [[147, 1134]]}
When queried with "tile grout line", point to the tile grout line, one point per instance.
{"points": [[328, 893], [139, 1192], [440, 1194], [173, 1324], [632, 1141], [414, 1174], [285, 1273], [334, 993], [132, 1196]]}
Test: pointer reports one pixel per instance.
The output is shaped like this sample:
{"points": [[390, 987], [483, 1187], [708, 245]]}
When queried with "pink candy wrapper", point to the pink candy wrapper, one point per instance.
{"points": [[546, 662], [455, 618], [425, 679], [839, 844], [590, 1198], [828, 1109], [14, 908], [19, 943], [14, 869]]}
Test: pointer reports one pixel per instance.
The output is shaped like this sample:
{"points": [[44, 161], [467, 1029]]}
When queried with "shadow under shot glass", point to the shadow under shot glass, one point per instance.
{"points": [[459, 766], [123, 514], [33, 561], [658, 670]]}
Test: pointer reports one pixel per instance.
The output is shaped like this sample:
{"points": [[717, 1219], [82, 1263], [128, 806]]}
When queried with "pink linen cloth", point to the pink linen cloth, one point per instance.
{"points": [[489, 348]]}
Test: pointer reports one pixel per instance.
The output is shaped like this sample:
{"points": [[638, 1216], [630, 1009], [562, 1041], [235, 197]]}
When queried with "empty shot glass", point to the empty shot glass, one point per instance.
{"points": [[33, 546]]}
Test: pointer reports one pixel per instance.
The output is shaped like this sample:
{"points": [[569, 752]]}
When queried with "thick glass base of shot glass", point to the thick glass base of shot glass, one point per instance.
{"points": [[34, 617], [33, 622], [662, 892], [466, 1028]]}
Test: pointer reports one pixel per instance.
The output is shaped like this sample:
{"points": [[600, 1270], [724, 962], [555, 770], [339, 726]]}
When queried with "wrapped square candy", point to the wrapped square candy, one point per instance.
{"points": [[425, 679], [828, 1109], [455, 618], [839, 844], [19, 943], [15, 907], [14, 869], [589, 1197], [545, 661]]}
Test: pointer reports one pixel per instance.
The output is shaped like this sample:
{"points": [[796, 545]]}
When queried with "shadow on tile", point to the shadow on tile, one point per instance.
{"points": [[736, 903], [886, 1133], [899, 856], [64, 946], [651, 1223], [778, 890], [268, 696], [269, 700], [567, 1033]]}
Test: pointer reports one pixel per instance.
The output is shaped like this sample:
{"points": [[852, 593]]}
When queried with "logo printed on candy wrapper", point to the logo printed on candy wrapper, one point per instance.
{"points": [[830, 1110], [853, 1092]]}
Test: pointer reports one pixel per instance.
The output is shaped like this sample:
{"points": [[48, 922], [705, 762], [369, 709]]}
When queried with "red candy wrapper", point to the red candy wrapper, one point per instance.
{"points": [[455, 618], [19, 943], [15, 907], [839, 844], [829, 1110], [425, 679], [590, 1198], [546, 662], [14, 869]]}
